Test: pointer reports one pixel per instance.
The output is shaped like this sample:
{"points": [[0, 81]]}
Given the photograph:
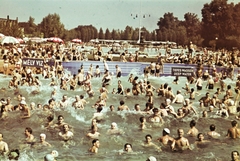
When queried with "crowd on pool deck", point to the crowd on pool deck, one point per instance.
{"points": [[210, 105]]}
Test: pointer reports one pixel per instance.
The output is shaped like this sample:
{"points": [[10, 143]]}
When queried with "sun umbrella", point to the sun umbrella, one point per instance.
{"points": [[77, 41], [9, 40], [55, 39], [21, 41]]}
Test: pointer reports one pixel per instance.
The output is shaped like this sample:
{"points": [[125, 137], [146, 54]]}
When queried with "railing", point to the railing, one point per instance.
{"points": [[136, 67]]}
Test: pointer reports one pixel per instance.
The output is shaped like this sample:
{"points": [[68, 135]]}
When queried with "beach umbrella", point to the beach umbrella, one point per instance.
{"points": [[21, 41], [55, 39], [77, 41], [9, 40]]}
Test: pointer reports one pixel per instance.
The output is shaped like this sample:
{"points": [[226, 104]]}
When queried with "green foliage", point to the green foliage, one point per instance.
{"points": [[101, 34], [220, 21], [51, 26], [108, 35]]}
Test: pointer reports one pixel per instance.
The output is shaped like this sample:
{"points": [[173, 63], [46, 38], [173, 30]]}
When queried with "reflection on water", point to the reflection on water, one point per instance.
{"points": [[13, 128]]}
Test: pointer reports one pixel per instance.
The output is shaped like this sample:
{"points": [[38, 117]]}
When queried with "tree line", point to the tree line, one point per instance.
{"points": [[219, 27]]}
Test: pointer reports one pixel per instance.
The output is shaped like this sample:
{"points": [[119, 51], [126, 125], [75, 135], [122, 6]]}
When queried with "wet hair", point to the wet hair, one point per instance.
{"points": [[229, 87], [29, 130], [163, 105], [59, 116], [234, 123], [235, 151], [50, 118], [99, 108], [125, 146], [15, 107], [81, 96], [122, 102], [136, 105], [136, 78], [192, 123], [141, 119], [111, 106], [150, 105], [94, 141], [155, 110], [212, 127], [165, 86], [199, 135], [148, 135]]}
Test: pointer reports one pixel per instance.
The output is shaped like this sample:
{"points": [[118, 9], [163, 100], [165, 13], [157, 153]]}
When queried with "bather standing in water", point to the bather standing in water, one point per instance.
{"points": [[43, 141], [193, 131], [3, 146], [166, 139], [65, 134], [26, 113], [95, 146], [180, 143], [148, 143], [233, 132]]}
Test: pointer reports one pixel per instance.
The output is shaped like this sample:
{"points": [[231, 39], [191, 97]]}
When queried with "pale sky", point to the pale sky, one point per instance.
{"points": [[111, 14]]}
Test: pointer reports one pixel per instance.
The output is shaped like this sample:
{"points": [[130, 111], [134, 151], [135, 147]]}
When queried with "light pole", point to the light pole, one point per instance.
{"points": [[140, 16]]}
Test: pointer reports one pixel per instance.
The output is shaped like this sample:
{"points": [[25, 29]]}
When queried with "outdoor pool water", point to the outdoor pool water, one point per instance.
{"points": [[13, 128]]}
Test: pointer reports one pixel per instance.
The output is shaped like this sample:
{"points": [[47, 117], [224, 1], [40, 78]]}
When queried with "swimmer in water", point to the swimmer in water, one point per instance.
{"points": [[30, 139], [233, 132], [114, 129], [95, 146], [156, 117], [148, 143], [43, 141], [94, 134], [143, 123], [127, 149], [180, 143], [200, 140], [122, 106], [235, 156], [58, 126], [212, 133], [193, 131], [3, 146], [65, 134], [26, 113], [165, 139]]}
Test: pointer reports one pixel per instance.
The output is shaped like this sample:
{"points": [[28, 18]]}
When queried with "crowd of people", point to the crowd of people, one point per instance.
{"points": [[222, 102]]}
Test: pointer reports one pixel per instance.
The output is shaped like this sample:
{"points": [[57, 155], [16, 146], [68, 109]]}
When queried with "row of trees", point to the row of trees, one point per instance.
{"points": [[219, 27]]}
